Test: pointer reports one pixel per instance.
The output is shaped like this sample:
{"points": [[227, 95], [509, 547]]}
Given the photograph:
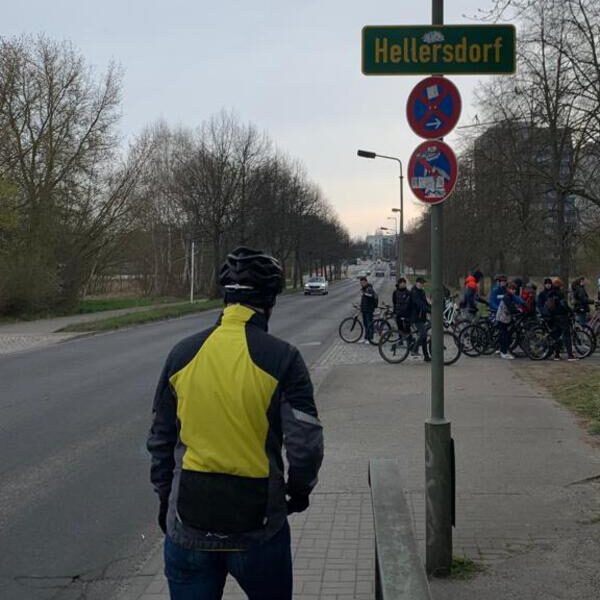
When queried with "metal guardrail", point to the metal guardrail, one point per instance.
{"points": [[399, 572]]}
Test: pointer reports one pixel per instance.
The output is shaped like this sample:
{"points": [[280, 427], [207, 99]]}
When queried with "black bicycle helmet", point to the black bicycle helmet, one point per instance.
{"points": [[251, 277]]}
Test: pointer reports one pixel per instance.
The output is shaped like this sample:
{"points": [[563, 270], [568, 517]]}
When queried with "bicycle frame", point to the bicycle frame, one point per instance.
{"points": [[450, 312]]}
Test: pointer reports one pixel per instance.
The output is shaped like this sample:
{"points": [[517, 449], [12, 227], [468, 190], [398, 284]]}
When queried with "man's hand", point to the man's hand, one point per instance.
{"points": [[162, 516], [297, 504]]}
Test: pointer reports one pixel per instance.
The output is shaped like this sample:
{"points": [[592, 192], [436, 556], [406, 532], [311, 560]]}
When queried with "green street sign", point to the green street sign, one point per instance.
{"points": [[438, 49]]}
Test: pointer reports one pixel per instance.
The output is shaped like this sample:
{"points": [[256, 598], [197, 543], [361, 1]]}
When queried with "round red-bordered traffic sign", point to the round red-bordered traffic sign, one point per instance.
{"points": [[433, 107], [432, 171]]}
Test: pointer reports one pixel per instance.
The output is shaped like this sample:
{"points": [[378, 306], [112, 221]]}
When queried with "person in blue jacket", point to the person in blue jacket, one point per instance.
{"points": [[507, 308], [497, 292]]}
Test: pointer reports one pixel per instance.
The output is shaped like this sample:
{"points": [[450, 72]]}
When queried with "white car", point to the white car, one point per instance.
{"points": [[316, 285]]}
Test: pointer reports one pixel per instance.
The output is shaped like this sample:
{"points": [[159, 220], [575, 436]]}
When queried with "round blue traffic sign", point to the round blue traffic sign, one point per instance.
{"points": [[433, 107], [432, 171]]}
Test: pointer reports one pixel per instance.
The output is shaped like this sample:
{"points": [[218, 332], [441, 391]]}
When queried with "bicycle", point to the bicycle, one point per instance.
{"points": [[474, 340], [593, 325], [469, 316], [482, 337], [352, 329], [451, 312], [382, 323], [541, 342], [395, 345]]}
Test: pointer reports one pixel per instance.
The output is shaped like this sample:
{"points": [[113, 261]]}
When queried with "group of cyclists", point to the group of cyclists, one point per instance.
{"points": [[508, 300], [410, 306]]}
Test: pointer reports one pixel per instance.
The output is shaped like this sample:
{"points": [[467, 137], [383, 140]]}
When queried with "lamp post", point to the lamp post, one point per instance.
{"points": [[400, 257], [397, 237], [193, 251]]}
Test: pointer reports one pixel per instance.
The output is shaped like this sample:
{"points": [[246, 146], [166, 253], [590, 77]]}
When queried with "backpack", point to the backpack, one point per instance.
{"points": [[503, 313]]}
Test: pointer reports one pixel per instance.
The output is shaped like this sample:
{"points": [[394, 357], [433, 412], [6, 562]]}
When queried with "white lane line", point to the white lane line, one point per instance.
{"points": [[310, 344]]}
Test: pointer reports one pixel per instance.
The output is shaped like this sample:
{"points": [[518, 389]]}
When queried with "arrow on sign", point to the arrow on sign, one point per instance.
{"points": [[435, 124]]}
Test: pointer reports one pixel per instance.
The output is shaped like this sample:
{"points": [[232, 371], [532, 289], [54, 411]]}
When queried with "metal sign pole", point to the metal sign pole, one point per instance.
{"points": [[438, 469]]}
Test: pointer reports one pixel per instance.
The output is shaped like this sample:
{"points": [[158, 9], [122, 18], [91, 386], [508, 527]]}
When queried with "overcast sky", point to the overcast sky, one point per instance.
{"points": [[292, 67]]}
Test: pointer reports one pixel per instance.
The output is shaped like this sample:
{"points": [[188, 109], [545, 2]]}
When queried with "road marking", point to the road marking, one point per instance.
{"points": [[310, 344]]}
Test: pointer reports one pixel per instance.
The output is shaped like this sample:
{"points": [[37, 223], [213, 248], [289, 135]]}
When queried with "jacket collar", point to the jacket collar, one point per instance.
{"points": [[240, 315]]}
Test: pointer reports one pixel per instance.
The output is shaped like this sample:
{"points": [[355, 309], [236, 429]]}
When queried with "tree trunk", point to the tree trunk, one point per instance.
{"points": [[215, 290]]}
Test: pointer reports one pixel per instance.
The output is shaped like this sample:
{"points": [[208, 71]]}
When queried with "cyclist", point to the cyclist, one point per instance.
{"points": [[471, 294], [506, 310], [227, 399], [368, 304], [543, 297], [402, 306], [558, 310], [518, 281], [581, 300], [497, 292], [528, 294], [419, 308]]}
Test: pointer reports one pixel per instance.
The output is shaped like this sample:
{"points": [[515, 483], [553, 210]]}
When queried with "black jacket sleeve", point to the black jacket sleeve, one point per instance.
{"points": [[163, 436], [302, 430]]}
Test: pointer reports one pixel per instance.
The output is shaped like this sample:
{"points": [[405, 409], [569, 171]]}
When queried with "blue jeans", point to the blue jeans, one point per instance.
{"points": [[263, 571], [503, 336], [368, 323]]}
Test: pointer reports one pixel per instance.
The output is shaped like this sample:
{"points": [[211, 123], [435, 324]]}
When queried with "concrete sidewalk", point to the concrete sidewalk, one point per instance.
{"points": [[528, 506]]}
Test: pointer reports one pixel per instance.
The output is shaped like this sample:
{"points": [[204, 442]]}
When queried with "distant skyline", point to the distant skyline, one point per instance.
{"points": [[291, 68]]}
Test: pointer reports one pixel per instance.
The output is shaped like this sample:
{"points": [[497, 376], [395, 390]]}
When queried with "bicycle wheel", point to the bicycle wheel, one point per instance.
{"points": [[493, 342], [595, 327], [583, 344], [351, 330], [517, 342], [537, 344], [393, 346], [473, 340], [380, 326], [460, 324], [452, 348], [591, 333]]}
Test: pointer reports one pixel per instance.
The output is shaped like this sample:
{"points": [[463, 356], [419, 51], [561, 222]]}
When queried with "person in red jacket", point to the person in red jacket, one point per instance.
{"points": [[528, 294]]}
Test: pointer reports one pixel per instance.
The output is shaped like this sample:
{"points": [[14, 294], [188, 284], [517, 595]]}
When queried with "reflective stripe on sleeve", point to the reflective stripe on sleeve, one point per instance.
{"points": [[305, 417]]}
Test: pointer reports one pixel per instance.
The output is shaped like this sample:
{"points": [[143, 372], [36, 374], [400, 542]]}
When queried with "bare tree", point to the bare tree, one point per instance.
{"points": [[57, 132]]}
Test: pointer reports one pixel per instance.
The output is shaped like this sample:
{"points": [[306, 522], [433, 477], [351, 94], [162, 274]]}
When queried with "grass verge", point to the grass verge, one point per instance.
{"points": [[92, 305], [464, 568], [575, 386], [141, 317]]}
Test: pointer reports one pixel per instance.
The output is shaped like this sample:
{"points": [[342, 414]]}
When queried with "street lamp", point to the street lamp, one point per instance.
{"points": [[400, 257]]}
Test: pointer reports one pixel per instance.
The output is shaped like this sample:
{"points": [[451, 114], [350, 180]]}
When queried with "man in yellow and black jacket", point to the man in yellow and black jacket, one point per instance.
{"points": [[227, 400]]}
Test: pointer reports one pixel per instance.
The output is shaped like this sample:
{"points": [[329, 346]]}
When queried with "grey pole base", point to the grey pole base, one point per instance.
{"points": [[438, 498]]}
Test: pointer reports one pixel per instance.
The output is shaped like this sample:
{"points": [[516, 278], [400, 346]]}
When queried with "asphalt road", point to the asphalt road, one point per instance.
{"points": [[77, 513]]}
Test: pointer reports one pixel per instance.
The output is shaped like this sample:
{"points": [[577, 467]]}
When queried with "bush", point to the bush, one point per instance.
{"points": [[28, 284]]}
